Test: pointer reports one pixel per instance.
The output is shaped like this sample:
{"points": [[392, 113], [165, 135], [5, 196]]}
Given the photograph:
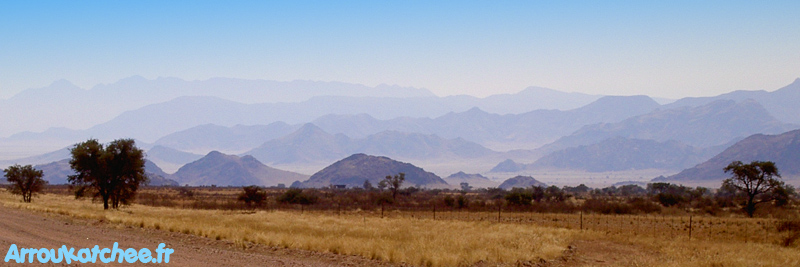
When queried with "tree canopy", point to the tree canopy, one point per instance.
{"points": [[25, 181], [758, 181], [113, 173], [394, 183]]}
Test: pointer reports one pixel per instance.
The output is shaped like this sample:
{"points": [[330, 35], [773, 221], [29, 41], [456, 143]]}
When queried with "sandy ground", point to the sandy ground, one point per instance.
{"points": [[27, 229]]}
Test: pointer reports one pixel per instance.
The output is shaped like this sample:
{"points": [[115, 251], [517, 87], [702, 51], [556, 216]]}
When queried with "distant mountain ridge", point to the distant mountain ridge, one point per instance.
{"points": [[312, 144], [781, 103], [536, 127], [783, 149], [619, 153], [31, 110], [236, 139], [81, 109], [712, 124]]}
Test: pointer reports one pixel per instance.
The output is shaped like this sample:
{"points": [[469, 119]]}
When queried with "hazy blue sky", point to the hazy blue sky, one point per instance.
{"points": [[659, 48]]}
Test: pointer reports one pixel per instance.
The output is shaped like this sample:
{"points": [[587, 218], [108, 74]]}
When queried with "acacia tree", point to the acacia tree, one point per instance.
{"points": [[25, 181], [393, 183], [757, 181], [113, 173]]}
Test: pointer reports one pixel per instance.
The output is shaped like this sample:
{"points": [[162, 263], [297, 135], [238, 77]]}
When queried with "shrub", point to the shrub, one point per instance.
{"points": [[252, 195]]}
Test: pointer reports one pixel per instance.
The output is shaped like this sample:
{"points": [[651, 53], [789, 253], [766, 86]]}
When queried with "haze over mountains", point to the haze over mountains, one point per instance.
{"points": [[783, 149], [241, 126]]}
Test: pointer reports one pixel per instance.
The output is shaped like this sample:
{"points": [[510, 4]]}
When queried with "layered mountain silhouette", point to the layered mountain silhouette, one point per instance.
{"points": [[149, 123], [230, 170], [619, 154], [78, 108], [781, 104], [709, 125], [529, 129], [355, 169], [520, 182], [179, 121], [312, 144], [236, 139], [783, 149]]}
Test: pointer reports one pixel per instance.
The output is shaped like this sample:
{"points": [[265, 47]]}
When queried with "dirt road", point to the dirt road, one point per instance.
{"points": [[29, 229]]}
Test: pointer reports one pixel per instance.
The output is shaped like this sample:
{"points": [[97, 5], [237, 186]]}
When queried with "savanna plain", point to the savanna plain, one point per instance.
{"points": [[431, 235]]}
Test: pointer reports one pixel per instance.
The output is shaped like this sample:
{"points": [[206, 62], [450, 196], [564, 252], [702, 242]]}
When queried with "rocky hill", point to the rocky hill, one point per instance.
{"points": [[230, 170], [355, 169], [473, 179], [509, 165], [520, 182]]}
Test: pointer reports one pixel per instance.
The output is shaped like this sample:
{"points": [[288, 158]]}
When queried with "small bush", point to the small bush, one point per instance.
{"points": [[790, 230]]}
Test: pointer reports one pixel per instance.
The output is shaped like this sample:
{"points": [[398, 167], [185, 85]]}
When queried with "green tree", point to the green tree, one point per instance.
{"points": [[758, 182], [25, 181], [393, 183], [519, 197], [297, 196], [465, 187], [252, 195], [367, 185], [114, 173]]}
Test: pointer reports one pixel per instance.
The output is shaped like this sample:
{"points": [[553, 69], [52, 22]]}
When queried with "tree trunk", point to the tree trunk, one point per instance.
{"points": [[750, 206]]}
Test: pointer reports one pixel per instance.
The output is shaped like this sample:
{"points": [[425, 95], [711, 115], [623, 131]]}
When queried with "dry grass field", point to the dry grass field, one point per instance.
{"points": [[463, 238]]}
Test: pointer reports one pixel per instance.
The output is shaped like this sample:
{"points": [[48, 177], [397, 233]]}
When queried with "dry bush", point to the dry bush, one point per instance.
{"points": [[790, 232]]}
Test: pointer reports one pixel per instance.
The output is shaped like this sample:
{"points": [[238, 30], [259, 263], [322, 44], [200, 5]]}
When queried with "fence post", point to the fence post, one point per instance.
{"points": [[581, 220], [690, 227], [434, 212], [498, 213]]}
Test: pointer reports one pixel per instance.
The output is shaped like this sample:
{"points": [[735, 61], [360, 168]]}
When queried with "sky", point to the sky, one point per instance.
{"points": [[666, 49]]}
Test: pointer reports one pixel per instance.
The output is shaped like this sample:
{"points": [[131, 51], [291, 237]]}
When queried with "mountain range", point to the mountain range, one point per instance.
{"points": [[312, 144], [303, 125], [712, 124], [619, 153], [31, 110], [107, 110], [783, 149]]}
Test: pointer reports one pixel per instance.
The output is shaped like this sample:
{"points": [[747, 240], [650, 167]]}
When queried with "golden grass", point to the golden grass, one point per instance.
{"points": [[457, 238], [422, 242], [681, 251]]}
